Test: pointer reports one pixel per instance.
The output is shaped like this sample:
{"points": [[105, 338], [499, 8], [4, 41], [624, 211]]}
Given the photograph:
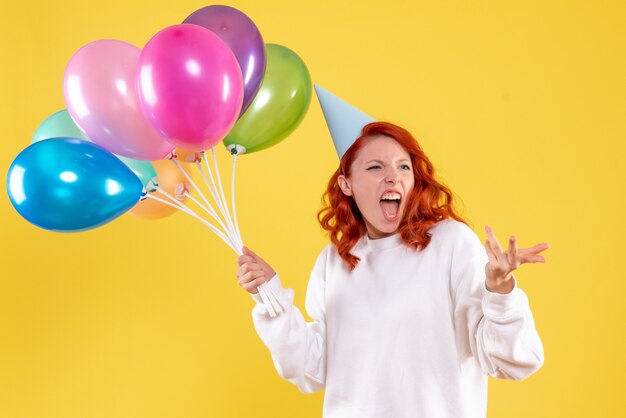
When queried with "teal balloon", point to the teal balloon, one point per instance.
{"points": [[68, 185], [58, 125], [144, 170], [61, 125]]}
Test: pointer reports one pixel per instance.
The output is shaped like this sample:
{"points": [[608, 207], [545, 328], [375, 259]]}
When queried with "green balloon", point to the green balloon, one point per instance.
{"points": [[61, 125], [142, 169], [279, 106], [58, 125]]}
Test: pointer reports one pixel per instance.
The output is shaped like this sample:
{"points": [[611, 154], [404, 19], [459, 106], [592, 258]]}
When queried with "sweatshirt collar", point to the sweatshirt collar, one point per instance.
{"points": [[386, 243]]}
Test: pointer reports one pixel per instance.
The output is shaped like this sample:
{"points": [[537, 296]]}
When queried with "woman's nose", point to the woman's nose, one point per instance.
{"points": [[391, 177]]}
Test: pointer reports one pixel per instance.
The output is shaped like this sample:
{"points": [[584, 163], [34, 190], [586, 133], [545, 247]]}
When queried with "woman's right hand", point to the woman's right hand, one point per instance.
{"points": [[253, 271]]}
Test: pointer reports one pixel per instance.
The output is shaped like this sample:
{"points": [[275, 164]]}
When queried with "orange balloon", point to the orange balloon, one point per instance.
{"points": [[173, 182], [185, 156]]}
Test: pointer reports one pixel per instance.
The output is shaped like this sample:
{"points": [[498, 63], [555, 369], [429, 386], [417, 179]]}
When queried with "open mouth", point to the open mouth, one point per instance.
{"points": [[390, 204]]}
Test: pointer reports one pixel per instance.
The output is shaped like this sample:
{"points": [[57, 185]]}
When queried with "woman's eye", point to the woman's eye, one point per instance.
{"points": [[373, 167], [405, 167]]}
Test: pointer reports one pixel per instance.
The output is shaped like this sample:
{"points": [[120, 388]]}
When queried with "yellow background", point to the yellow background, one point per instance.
{"points": [[521, 107]]}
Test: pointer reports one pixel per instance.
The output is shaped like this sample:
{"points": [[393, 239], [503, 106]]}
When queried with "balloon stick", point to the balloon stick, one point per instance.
{"points": [[209, 207], [232, 197], [221, 190], [265, 293], [206, 209], [186, 210], [213, 188]]}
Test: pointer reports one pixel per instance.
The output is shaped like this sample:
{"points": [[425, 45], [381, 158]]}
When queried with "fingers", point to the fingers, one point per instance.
{"points": [[249, 255], [246, 267], [539, 247], [531, 255], [252, 279], [527, 257], [495, 268], [242, 259], [512, 253], [501, 262], [251, 287], [250, 276], [253, 271], [537, 259], [495, 244], [249, 252], [490, 254]]}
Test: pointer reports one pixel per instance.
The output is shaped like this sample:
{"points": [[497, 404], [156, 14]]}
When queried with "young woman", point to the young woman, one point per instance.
{"points": [[410, 313]]}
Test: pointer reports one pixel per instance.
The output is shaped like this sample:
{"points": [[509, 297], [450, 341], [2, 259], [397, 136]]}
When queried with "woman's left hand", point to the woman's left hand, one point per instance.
{"points": [[501, 263]]}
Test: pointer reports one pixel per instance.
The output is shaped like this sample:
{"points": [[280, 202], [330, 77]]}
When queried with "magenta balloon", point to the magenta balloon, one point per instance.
{"points": [[244, 39], [190, 86], [100, 89]]}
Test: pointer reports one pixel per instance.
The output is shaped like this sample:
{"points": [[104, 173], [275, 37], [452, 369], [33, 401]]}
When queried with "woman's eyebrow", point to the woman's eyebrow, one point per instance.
{"points": [[402, 160]]}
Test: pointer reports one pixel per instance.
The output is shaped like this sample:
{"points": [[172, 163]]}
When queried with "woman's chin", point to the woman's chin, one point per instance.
{"points": [[382, 229]]}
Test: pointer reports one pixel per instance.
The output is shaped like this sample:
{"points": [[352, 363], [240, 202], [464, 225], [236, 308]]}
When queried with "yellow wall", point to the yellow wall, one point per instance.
{"points": [[521, 106]]}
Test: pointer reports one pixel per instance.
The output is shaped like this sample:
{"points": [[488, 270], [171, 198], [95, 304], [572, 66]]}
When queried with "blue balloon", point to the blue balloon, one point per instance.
{"points": [[67, 184]]}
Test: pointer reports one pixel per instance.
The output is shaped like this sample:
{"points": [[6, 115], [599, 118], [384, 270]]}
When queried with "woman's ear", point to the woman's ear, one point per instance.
{"points": [[344, 185]]}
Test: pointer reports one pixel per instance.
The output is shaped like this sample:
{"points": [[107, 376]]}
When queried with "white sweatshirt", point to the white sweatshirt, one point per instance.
{"points": [[406, 334]]}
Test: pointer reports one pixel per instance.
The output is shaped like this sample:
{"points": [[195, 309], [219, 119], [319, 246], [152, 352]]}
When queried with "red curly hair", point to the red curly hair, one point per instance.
{"points": [[428, 202]]}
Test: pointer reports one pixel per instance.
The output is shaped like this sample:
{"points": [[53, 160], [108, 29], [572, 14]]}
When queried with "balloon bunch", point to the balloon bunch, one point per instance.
{"points": [[136, 118]]}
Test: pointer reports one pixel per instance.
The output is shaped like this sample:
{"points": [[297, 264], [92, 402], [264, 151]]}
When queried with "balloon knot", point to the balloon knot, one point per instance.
{"points": [[236, 149]]}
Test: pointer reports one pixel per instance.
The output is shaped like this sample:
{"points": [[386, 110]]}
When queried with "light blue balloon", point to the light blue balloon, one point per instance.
{"points": [[144, 170], [58, 125], [66, 184], [61, 125]]}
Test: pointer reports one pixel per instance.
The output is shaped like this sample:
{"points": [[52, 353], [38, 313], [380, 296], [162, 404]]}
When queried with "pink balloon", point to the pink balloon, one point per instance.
{"points": [[190, 86], [100, 89]]}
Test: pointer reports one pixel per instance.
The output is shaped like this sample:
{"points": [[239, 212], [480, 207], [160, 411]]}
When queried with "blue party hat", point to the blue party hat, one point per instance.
{"points": [[345, 122]]}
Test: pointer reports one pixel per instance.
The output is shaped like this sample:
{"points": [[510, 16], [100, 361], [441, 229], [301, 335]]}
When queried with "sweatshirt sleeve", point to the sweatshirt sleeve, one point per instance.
{"points": [[498, 330], [297, 347]]}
